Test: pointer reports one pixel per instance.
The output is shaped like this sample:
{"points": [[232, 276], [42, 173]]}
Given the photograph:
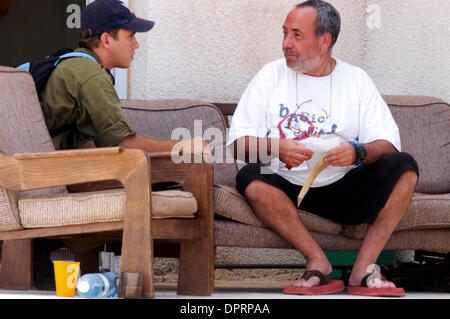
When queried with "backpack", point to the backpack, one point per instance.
{"points": [[41, 70]]}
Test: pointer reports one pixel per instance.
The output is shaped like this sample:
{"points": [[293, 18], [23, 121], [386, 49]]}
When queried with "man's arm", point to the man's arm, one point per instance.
{"points": [[149, 145], [253, 149], [344, 154]]}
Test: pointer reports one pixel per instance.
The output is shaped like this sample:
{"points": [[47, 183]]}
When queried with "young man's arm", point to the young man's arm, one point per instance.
{"points": [[149, 145]]}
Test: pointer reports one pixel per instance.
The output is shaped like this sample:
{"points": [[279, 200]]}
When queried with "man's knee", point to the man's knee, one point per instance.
{"points": [[399, 161], [410, 178], [255, 189], [408, 164]]}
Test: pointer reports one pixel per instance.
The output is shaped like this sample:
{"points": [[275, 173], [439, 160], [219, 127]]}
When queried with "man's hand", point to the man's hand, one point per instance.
{"points": [[180, 149], [342, 155], [196, 145], [293, 153]]}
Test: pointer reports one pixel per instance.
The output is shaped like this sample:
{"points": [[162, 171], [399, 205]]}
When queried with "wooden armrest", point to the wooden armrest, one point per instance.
{"points": [[159, 154], [27, 171], [68, 153], [226, 108], [164, 171]]}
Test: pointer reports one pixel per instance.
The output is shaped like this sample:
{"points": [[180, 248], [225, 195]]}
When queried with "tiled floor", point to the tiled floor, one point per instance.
{"points": [[228, 290]]}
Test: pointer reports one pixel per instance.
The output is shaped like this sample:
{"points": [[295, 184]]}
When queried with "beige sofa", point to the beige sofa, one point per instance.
{"points": [[424, 127]]}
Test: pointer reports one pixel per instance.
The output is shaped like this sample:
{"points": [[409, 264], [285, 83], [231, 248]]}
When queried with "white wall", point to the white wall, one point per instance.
{"points": [[210, 50], [410, 53]]}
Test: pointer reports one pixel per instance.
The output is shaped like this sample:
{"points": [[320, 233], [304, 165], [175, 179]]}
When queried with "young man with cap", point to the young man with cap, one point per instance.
{"points": [[79, 101]]}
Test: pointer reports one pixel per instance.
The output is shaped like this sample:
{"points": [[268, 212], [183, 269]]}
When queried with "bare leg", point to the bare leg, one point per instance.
{"points": [[383, 227], [274, 208]]}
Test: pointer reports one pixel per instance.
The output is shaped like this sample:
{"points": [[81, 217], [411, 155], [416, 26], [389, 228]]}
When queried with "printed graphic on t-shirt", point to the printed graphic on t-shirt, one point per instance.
{"points": [[301, 124]]}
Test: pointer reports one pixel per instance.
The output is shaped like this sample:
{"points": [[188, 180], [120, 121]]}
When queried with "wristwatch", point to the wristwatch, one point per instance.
{"points": [[360, 152]]}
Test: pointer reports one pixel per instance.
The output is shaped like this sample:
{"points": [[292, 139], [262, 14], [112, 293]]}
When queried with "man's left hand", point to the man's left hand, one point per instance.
{"points": [[342, 155]]}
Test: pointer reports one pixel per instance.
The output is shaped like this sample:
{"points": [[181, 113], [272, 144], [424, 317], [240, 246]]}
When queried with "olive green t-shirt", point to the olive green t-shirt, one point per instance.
{"points": [[81, 104]]}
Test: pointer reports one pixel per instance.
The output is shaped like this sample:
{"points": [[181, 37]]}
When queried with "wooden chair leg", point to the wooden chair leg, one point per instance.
{"points": [[196, 268], [140, 260], [197, 256], [17, 265]]}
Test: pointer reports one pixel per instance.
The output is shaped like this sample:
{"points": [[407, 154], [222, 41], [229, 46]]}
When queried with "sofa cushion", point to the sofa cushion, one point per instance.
{"points": [[426, 211], [228, 202], [100, 206], [9, 213], [424, 131]]}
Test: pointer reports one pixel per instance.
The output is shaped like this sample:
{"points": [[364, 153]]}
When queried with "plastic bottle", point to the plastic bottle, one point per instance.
{"points": [[104, 285]]}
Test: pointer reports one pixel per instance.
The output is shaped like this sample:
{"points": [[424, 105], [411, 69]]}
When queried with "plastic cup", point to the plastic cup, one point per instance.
{"points": [[66, 275]]}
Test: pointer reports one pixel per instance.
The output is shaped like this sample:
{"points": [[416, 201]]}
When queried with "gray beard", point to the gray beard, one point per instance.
{"points": [[306, 65]]}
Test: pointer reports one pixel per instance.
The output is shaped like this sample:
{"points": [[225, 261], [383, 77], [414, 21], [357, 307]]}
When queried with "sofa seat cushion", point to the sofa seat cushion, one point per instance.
{"points": [[229, 203], [426, 211], [100, 206]]}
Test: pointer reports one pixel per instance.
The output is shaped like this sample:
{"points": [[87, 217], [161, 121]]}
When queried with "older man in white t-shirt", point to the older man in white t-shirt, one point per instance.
{"points": [[295, 107]]}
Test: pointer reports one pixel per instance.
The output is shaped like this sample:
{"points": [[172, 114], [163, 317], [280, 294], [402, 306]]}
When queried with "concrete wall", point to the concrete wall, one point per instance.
{"points": [[210, 50]]}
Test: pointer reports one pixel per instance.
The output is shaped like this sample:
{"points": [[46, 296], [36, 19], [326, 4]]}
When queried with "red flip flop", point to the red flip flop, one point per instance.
{"points": [[364, 290], [325, 286]]}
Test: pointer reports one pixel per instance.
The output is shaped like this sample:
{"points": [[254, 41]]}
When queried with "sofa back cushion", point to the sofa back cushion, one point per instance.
{"points": [[424, 124], [182, 119]]}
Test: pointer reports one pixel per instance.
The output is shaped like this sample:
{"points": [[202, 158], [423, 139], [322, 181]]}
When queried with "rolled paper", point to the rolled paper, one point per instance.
{"points": [[320, 166]]}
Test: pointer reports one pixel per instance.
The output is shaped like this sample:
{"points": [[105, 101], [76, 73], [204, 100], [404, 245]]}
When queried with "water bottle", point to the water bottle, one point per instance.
{"points": [[103, 285]]}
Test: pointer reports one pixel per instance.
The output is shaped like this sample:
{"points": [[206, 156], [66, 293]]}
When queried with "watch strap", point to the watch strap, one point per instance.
{"points": [[356, 146]]}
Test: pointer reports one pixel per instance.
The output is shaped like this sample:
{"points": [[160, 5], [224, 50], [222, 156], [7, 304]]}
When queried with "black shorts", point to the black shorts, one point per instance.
{"points": [[356, 198]]}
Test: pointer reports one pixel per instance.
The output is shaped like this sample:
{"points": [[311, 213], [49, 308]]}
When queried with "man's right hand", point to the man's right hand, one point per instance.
{"points": [[196, 145], [293, 153]]}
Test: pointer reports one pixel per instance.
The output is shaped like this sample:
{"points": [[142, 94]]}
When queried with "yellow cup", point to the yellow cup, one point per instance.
{"points": [[66, 275]]}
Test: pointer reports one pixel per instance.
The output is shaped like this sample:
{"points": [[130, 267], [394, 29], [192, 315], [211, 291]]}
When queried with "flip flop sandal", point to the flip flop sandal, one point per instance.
{"points": [[325, 286], [364, 290]]}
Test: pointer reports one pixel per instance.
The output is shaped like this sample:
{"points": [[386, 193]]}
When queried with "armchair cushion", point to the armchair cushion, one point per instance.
{"points": [[9, 213], [101, 206]]}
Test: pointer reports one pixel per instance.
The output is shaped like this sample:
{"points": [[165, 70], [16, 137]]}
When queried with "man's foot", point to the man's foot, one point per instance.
{"points": [[321, 265], [376, 280], [372, 284], [313, 281]]}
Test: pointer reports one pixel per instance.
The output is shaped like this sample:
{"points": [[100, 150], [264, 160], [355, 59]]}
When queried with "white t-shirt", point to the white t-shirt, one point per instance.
{"points": [[345, 102]]}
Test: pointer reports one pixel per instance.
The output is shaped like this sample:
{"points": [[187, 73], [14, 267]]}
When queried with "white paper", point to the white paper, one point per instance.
{"points": [[320, 146]]}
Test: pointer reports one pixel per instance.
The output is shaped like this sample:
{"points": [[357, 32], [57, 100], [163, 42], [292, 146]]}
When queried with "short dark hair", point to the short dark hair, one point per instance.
{"points": [[93, 41], [328, 19]]}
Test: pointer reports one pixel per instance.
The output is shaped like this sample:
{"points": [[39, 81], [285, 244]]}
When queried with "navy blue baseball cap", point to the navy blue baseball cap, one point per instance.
{"points": [[107, 15]]}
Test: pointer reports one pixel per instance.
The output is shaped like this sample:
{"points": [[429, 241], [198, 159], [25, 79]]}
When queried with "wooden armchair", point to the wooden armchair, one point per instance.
{"points": [[32, 163], [28, 171]]}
